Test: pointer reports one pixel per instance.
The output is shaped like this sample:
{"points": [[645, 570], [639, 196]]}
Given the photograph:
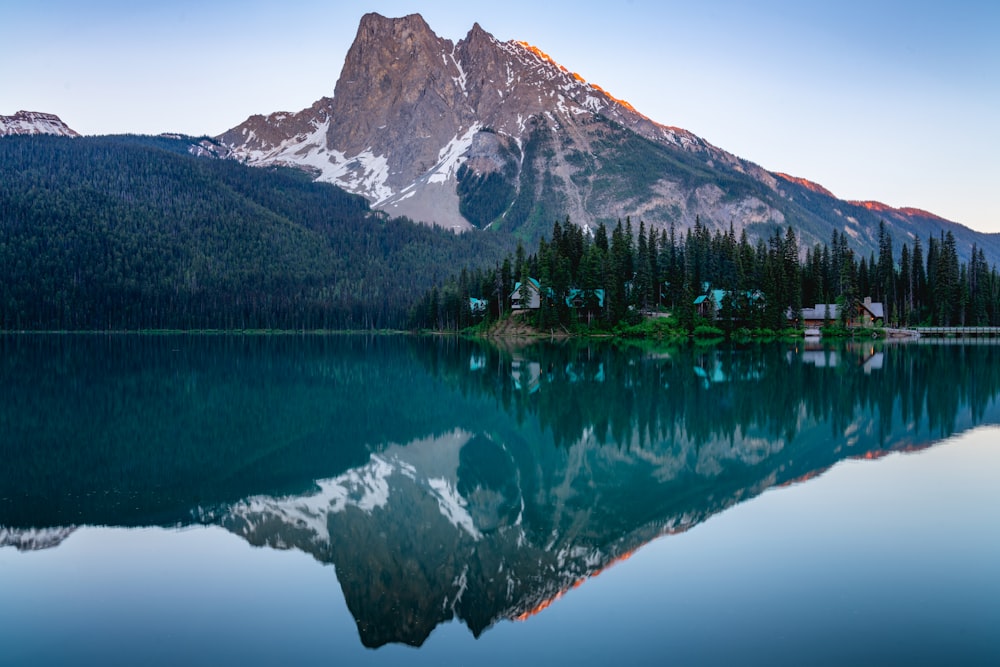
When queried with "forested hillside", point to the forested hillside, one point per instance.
{"points": [[132, 232]]}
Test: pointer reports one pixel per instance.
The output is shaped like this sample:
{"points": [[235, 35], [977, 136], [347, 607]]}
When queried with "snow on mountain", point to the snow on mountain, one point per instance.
{"points": [[34, 539], [34, 122], [366, 489], [437, 500], [409, 105], [538, 143]]}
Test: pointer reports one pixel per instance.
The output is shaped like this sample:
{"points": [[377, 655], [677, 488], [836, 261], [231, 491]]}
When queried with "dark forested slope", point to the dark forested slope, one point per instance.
{"points": [[131, 232]]}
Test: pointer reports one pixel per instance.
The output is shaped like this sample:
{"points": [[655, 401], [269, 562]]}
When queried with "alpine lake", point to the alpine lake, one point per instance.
{"points": [[392, 499]]}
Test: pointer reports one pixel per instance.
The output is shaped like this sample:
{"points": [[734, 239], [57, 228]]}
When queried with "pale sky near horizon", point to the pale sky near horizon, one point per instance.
{"points": [[891, 100]]}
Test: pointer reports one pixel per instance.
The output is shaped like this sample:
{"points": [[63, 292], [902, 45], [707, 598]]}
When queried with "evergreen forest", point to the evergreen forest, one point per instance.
{"points": [[135, 233], [612, 277], [130, 232]]}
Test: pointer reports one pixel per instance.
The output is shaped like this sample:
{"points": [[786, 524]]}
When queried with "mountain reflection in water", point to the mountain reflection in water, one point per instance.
{"points": [[443, 478]]}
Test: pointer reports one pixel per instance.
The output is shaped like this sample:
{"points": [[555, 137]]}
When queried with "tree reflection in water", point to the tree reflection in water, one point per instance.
{"points": [[449, 478]]}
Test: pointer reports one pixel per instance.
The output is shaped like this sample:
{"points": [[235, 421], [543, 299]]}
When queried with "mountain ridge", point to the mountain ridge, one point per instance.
{"points": [[465, 79], [409, 107], [481, 133]]}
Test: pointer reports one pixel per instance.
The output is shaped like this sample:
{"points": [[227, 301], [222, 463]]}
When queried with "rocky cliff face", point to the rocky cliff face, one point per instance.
{"points": [[34, 122], [408, 82], [488, 133]]}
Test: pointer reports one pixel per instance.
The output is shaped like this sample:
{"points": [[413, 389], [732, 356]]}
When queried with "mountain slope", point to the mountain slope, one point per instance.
{"points": [[133, 232], [485, 133]]}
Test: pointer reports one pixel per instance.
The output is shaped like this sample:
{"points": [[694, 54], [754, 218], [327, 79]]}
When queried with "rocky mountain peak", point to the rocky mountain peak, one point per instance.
{"points": [[408, 106], [476, 42], [483, 133], [406, 80]]}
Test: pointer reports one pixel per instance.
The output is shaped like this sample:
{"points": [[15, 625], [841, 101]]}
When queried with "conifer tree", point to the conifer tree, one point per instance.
{"points": [[643, 271]]}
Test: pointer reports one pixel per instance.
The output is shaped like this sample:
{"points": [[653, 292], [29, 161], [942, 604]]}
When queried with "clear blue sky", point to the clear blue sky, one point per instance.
{"points": [[878, 99]]}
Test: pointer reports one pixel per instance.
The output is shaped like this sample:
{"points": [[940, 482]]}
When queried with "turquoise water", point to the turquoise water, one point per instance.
{"points": [[378, 500]]}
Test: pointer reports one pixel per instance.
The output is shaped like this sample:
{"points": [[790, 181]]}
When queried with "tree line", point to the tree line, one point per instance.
{"points": [[618, 275], [124, 233]]}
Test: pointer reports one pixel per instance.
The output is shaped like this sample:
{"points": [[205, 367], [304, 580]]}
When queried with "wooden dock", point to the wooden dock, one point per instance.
{"points": [[957, 332]]}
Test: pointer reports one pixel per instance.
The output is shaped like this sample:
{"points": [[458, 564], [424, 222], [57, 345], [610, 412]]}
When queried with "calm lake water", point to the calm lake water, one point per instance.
{"points": [[394, 500]]}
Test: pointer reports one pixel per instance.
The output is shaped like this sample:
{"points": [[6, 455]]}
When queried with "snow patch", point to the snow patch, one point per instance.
{"points": [[364, 173], [34, 122], [34, 539], [462, 582], [365, 488], [404, 196], [450, 157], [461, 78], [452, 506]]}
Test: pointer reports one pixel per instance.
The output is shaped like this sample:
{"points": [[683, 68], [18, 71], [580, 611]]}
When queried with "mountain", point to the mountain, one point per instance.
{"points": [[34, 122], [484, 133]]}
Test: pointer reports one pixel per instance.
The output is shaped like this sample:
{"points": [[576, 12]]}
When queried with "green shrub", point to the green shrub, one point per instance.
{"points": [[657, 328], [708, 331], [836, 331]]}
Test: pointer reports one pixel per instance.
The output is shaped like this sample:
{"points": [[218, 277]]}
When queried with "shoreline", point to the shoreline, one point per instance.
{"points": [[506, 329]]}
